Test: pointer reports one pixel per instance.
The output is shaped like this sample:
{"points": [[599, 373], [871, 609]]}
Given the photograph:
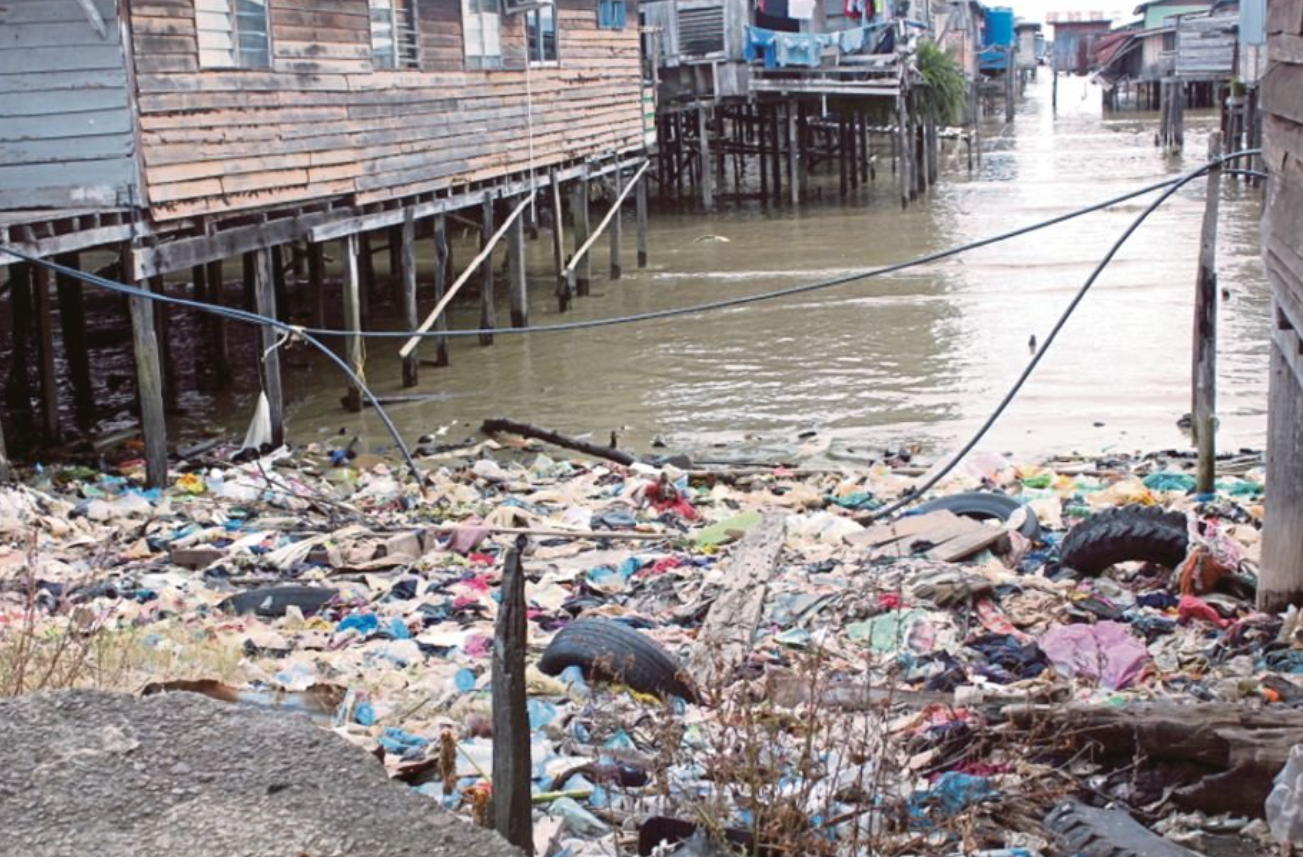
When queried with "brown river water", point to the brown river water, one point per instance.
{"points": [[921, 356]]}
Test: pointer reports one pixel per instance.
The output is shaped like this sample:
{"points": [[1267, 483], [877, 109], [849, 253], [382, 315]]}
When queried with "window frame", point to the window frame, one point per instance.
{"points": [[543, 61], [622, 5], [415, 28], [237, 51], [481, 61]]}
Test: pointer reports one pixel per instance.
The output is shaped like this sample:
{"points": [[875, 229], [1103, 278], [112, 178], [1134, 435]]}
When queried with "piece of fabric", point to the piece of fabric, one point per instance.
{"points": [[802, 10], [1106, 651]]}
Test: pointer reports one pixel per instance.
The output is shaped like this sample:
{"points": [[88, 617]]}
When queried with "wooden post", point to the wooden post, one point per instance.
{"points": [[278, 278], [558, 237], [163, 335], [1205, 328], [617, 230], [6, 470], [442, 268], [1280, 582], [703, 147], [1178, 125], [316, 254], [583, 274], [396, 260], [640, 199], [406, 235], [1054, 92], [517, 282], [149, 379], [367, 271], [45, 350], [217, 326], [842, 180], [512, 766], [1009, 90], [903, 149], [488, 308], [19, 391], [269, 361], [776, 160], [762, 145], [72, 317], [353, 322]]}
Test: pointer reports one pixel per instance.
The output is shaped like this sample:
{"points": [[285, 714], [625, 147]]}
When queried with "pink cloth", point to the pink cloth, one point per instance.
{"points": [[1106, 651]]}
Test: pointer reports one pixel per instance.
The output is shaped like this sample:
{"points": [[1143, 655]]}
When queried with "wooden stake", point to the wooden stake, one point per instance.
{"points": [[317, 281], [407, 274], [776, 160], [517, 282], [45, 350], [217, 326], [19, 392], [72, 318], [903, 149], [703, 148], [512, 768], [617, 228], [1205, 328], [353, 322], [488, 308], [269, 361], [640, 197], [6, 470], [1280, 582], [163, 334], [580, 264], [367, 270], [149, 375], [442, 267], [793, 153], [558, 242]]}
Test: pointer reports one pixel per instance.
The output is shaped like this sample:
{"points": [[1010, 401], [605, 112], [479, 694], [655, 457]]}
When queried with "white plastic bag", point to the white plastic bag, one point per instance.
{"points": [[1285, 803]]}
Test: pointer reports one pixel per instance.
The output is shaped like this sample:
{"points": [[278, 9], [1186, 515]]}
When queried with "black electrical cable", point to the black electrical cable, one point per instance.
{"points": [[916, 492]]}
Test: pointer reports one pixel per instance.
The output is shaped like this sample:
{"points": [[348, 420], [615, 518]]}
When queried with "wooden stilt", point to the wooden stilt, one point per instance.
{"points": [[762, 148], [19, 391], [512, 767], [517, 282], [793, 153], [775, 159], [149, 379], [407, 274], [45, 350], [163, 334], [903, 148], [617, 229], [316, 257], [217, 327], [279, 278], [396, 288], [442, 268], [488, 307], [583, 274], [703, 147], [1205, 328], [558, 235], [72, 319], [640, 199], [269, 361], [367, 271], [354, 353], [6, 469]]}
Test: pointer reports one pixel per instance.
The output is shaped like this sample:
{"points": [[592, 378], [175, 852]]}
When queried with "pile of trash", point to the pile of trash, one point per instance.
{"points": [[731, 657]]}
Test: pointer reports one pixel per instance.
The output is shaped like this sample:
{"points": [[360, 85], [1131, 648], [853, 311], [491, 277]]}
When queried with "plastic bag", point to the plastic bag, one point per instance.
{"points": [[1285, 803]]}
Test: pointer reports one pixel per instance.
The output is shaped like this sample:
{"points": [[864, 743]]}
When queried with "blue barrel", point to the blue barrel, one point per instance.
{"points": [[999, 27]]}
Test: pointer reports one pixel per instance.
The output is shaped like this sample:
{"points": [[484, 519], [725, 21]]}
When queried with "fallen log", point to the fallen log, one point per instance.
{"points": [[501, 424], [1242, 748]]}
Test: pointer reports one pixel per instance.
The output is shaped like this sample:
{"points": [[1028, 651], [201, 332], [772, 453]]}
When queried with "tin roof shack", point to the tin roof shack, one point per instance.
{"points": [[1031, 44], [1075, 35], [1281, 582], [192, 131], [1159, 13], [959, 26], [1205, 45]]}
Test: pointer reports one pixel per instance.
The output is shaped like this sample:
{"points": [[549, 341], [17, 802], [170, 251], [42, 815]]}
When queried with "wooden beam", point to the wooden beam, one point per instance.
{"points": [[219, 343], [72, 318], [640, 197], [703, 151], [517, 281], [269, 362], [45, 350], [442, 267], [19, 392], [512, 766], [579, 269], [354, 353], [617, 228], [149, 375], [407, 275], [200, 249], [6, 469], [484, 253], [317, 282], [592, 239], [488, 308], [1205, 328], [71, 242], [558, 243]]}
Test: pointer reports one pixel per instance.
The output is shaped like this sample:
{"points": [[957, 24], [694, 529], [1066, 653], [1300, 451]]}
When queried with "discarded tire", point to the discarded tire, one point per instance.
{"points": [[1107, 833], [1128, 533], [986, 506], [274, 600], [609, 649]]}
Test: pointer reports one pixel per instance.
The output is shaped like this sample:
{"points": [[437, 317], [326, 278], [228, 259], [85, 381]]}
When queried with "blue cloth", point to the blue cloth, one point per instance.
{"points": [[804, 50]]}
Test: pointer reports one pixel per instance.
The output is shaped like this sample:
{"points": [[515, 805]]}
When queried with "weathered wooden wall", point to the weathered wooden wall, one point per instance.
{"points": [[1282, 233], [1205, 46], [322, 123], [65, 122]]}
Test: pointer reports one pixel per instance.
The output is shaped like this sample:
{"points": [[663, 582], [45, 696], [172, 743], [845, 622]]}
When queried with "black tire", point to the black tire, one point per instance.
{"points": [[272, 601], [1128, 533], [986, 506], [609, 649]]}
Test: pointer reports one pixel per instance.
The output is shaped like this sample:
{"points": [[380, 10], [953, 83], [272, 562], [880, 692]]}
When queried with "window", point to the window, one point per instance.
{"points": [[481, 29], [393, 34], [610, 14], [540, 34], [233, 33]]}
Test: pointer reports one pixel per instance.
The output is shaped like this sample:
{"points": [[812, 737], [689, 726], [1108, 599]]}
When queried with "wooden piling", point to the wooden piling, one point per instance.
{"points": [[217, 326], [6, 469], [442, 270], [163, 335], [640, 197], [354, 353], [269, 361], [19, 391], [558, 237], [512, 767], [49, 381], [72, 319], [793, 153], [903, 149], [149, 380], [517, 282], [488, 307], [703, 147], [617, 229], [279, 278], [316, 259], [583, 272], [367, 271], [1205, 328], [776, 159], [407, 274]]}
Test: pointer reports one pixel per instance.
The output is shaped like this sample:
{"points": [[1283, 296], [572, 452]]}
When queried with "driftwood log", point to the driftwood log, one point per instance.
{"points": [[1242, 748], [501, 424]]}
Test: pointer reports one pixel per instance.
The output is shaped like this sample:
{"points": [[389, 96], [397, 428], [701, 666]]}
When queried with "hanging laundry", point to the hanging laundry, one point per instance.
{"points": [[802, 10], [854, 8]]}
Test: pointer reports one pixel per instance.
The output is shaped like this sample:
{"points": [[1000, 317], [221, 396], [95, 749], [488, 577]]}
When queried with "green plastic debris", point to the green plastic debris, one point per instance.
{"points": [[886, 632], [1166, 480], [727, 529]]}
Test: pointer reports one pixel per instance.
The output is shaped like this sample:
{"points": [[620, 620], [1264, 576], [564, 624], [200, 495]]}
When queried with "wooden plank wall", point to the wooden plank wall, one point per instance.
{"points": [[322, 123], [1282, 234], [65, 123]]}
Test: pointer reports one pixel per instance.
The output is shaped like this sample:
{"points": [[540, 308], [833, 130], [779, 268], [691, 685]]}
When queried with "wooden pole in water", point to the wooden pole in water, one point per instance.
{"points": [[72, 317], [442, 267], [353, 351], [269, 361], [640, 197], [776, 152], [149, 380], [583, 266], [617, 228], [217, 326], [512, 767], [793, 152], [407, 273], [488, 307], [1205, 328], [45, 350], [163, 334], [703, 148], [517, 282], [316, 253], [558, 238], [367, 271], [903, 149], [19, 391]]}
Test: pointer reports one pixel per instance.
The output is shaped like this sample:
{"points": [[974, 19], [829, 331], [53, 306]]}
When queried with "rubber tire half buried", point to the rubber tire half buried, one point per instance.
{"points": [[986, 506], [1127, 533], [609, 649]]}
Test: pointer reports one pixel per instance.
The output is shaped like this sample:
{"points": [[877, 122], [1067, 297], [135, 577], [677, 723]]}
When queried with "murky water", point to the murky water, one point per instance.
{"points": [[921, 356]]}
